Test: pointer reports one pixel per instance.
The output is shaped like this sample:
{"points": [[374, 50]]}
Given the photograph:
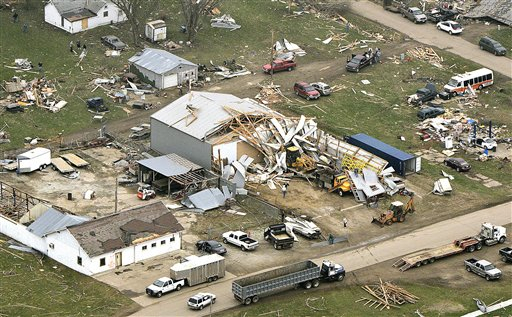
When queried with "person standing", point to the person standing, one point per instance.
{"points": [[345, 222], [284, 189], [71, 46], [25, 27], [15, 17], [40, 68], [78, 44]]}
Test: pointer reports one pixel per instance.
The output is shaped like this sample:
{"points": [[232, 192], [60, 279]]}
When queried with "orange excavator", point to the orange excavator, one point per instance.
{"points": [[396, 212]]}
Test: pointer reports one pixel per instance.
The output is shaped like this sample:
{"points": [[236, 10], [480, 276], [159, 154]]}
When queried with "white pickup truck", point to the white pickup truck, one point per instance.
{"points": [[240, 239], [483, 268], [164, 285]]}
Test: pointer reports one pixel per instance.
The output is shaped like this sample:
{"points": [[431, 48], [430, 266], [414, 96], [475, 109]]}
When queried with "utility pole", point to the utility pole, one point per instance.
{"points": [[115, 197], [272, 59]]}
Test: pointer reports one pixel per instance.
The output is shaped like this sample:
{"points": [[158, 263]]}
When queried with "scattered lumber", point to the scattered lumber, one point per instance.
{"points": [[386, 295]]}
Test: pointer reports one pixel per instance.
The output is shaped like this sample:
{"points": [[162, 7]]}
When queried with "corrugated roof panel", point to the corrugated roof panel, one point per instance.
{"points": [[200, 113], [158, 61], [384, 147], [169, 165], [53, 220]]}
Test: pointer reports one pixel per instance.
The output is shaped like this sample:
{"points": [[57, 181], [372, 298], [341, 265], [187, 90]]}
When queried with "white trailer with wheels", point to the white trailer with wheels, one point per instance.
{"points": [[35, 159], [199, 269]]}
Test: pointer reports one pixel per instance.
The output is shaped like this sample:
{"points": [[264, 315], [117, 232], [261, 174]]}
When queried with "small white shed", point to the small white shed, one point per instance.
{"points": [[156, 31]]}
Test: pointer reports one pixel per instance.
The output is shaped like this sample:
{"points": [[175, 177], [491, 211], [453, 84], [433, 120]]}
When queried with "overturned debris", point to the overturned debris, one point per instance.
{"points": [[387, 295], [225, 22]]}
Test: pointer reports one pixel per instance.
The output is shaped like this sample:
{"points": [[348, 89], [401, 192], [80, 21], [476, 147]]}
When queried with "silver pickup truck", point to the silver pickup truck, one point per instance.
{"points": [[483, 268]]}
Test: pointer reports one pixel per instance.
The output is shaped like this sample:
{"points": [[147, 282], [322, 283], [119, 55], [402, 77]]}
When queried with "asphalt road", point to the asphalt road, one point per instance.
{"points": [[431, 236], [428, 34]]}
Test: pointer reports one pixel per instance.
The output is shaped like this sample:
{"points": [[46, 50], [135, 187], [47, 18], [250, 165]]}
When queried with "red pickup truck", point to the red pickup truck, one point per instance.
{"points": [[279, 65]]}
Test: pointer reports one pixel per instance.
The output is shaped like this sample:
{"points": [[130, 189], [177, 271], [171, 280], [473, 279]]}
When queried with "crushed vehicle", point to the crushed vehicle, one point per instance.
{"points": [[485, 143], [14, 107], [278, 236], [305, 90], [113, 42], [458, 164], [422, 95], [483, 268], [439, 14], [240, 239], [451, 27], [279, 65], [164, 285], [322, 88], [488, 44], [360, 61], [414, 14], [201, 300], [506, 254], [96, 104], [211, 246], [306, 274], [199, 269], [429, 112]]}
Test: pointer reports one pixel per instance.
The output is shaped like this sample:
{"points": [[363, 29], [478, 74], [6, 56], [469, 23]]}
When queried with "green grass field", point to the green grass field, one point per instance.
{"points": [[47, 288]]}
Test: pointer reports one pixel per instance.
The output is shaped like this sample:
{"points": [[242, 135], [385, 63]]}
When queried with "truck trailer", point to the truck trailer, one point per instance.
{"points": [[306, 274], [489, 235], [35, 159], [199, 269]]}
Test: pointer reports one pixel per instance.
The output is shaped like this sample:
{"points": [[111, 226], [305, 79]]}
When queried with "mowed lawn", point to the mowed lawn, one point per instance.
{"points": [[31, 286]]}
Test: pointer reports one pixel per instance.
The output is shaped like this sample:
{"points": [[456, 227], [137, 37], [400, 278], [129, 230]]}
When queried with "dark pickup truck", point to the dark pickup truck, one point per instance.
{"points": [[423, 95], [360, 61], [277, 235], [506, 254]]}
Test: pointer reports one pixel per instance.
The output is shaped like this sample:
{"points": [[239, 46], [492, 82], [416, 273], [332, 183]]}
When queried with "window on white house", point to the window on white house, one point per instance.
{"points": [[79, 260], [171, 239], [102, 262], [105, 14], [162, 242], [144, 247], [153, 244]]}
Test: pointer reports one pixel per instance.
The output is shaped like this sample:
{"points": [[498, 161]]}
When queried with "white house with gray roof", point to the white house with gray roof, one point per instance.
{"points": [[190, 127], [162, 69], [75, 16], [91, 246]]}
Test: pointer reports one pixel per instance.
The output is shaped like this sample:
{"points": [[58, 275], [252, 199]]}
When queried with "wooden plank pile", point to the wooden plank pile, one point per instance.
{"points": [[426, 54], [386, 295]]}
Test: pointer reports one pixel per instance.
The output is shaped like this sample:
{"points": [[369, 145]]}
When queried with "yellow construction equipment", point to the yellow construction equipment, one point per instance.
{"points": [[396, 212]]}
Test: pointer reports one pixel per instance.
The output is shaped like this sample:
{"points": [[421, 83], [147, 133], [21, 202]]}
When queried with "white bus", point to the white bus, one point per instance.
{"points": [[477, 79]]}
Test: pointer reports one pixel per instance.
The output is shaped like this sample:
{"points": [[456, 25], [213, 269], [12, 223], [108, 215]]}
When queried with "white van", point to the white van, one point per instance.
{"points": [[477, 79], [38, 158]]}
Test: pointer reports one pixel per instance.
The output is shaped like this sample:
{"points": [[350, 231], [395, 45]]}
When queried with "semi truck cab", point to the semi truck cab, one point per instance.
{"points": [[332, 271]]}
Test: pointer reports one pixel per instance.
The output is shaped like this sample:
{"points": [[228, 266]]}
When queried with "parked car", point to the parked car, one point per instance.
{"points": [[113, 42], [211, 246], [359, 61], [451, 27], [279, 65], [414, 14], [429, 112], [322, 88], [493, 46], [164, 285], [201, 300], [305, 90], [459, 164]]}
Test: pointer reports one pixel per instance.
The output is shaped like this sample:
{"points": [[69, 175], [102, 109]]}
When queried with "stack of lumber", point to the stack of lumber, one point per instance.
{"points": [[426, 54], [387, 295]]}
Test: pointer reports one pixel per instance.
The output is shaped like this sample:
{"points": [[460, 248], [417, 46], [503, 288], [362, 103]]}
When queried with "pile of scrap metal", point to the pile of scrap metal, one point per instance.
{"points": [[207, 199], [225, 22], [284, 46], [303, 227], [230, 69], [40, 92]]}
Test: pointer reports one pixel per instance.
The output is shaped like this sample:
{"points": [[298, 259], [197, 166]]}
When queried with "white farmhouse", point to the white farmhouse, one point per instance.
{"points": [[75, 16], [99, 245]]}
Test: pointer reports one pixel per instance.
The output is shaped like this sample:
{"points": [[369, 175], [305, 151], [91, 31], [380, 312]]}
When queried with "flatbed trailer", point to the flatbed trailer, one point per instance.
{"points": [[75, 159], [61, 165], [468, 244]]}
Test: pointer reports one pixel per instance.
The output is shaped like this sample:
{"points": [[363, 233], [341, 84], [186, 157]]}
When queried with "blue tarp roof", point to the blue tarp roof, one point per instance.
{"points": [[384, 147]]}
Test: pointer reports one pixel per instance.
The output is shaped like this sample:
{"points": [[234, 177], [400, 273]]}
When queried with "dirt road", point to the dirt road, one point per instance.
{"points": [[431, 236], [428, 34]]}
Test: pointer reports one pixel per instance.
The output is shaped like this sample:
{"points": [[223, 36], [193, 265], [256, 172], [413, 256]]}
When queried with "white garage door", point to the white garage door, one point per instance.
{"points": [[170, 81]]}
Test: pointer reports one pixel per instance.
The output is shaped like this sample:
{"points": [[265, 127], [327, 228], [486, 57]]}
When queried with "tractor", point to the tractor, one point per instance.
{"points": [[395, 213]]}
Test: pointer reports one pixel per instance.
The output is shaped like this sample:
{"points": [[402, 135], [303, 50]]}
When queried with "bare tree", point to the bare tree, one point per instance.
{"points": [[193, 10], [137, 12]]}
